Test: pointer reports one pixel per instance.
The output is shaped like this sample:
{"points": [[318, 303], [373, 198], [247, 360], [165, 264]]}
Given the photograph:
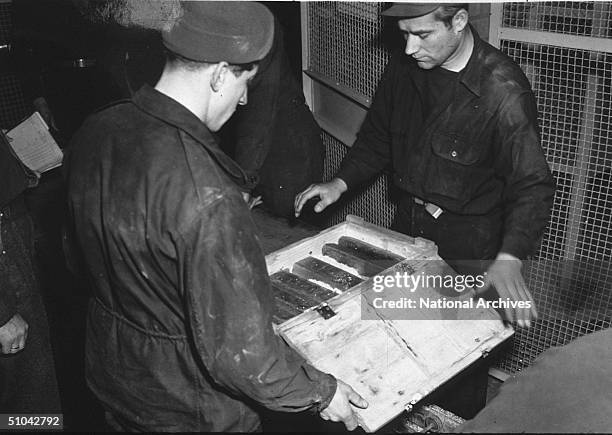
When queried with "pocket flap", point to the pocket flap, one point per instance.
{"points": [[454, 149]]}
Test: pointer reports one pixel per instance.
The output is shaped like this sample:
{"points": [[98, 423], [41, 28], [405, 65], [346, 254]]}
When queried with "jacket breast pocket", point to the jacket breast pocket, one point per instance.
{"points": [[452, 170]]}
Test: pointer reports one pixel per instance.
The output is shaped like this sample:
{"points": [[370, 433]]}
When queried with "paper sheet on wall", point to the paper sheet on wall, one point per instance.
{"points": [[34, 145]]}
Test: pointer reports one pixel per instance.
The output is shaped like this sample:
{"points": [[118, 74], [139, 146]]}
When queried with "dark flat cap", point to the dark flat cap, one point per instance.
{"points": [[411, 10], [214, 31]]}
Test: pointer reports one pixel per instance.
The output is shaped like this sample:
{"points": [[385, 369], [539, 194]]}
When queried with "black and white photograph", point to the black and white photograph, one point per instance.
{"points": [[305, 216]]}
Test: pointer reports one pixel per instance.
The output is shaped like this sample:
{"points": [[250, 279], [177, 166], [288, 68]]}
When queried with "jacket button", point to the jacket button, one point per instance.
{"points": [[454, 153]]}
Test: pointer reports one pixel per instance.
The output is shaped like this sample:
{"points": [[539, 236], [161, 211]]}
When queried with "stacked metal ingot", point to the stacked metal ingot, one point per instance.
{"points": [[311, 281]]}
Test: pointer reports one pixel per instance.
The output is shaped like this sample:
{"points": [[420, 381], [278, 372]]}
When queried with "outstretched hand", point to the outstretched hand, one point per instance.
{"points": [[506, 277], [251, 201], [328, 193]]}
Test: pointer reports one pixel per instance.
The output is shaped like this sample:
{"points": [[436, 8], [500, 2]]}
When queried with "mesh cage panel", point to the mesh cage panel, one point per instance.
{"points": [[572, 18], [372, 203], [345, 44], [12, 105], [571, 277]]}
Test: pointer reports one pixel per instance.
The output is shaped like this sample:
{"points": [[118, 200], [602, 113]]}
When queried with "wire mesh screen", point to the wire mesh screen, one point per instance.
{"points": [[572, 18], [346, 44], [571, 276], [373, 203], [5, 21], [12, 104]]}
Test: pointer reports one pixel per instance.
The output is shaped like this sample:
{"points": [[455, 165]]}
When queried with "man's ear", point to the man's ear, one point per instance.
{"points": [[219, 75], [460, 20]]}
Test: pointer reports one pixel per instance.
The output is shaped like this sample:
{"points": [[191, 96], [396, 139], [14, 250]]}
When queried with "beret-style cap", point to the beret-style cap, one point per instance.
{"points": [[214, 31], [411, 10]]}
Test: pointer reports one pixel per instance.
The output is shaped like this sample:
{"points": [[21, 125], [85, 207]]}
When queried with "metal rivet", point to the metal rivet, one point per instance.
{"points": [[454, 153]]}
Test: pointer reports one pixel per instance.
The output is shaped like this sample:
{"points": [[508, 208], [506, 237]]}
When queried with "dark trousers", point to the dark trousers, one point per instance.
{"points": [[468, 244], [27, 379]]}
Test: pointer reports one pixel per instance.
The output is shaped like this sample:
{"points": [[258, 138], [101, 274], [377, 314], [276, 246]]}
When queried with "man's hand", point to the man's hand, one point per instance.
{"points": [[339, 409], [13, 335], [252, 201], [505, 276], [327, 192]]}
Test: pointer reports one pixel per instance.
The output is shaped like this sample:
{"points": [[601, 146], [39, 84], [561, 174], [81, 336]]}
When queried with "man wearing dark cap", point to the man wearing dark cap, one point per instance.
{"points": [[179, 333], [456, 120]]}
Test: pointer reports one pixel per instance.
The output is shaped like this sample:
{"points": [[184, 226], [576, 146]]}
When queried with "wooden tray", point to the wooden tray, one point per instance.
{"points": [[392, 363]]}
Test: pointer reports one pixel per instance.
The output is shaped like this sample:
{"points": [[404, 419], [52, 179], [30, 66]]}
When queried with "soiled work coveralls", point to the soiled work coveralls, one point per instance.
{"points": [[179, 333]]}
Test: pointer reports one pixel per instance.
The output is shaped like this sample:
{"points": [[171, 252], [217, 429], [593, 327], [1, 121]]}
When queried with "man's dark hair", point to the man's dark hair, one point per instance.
{"points": [[177, 60], [446, 13]]}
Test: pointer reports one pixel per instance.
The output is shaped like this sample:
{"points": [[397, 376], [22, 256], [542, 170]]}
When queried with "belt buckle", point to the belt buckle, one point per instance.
{"points": [[432, 209]]}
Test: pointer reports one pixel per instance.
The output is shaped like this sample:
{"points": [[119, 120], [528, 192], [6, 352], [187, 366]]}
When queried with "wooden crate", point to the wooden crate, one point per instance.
{"points": [[392, 363]]}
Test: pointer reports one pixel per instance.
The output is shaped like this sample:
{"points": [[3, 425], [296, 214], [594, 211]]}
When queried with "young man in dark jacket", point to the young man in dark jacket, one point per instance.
{"points": [[179, 334]]}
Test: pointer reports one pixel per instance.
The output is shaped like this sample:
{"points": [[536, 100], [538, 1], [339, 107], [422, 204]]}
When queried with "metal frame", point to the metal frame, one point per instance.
{"points": [[576, 173], [498, 33], [337, 109], [556, 39], [595, 42]]}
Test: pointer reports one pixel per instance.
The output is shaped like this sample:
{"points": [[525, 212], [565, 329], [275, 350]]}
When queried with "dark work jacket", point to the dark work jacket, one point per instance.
{"points": [[275, 138], [179, 332], [479, 155]]}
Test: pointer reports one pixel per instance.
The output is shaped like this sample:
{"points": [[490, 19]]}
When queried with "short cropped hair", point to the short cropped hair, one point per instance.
{"points": [[447, 13], [178, 61]]}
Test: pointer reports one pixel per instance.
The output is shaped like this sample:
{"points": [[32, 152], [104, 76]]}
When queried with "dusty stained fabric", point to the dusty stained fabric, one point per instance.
{"points": [[566, 389], [179, 332]]}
